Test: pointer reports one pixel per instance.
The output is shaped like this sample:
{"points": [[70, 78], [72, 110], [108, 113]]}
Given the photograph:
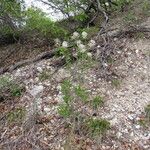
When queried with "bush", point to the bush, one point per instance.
{"points": [[37, 21], [9, 88]]}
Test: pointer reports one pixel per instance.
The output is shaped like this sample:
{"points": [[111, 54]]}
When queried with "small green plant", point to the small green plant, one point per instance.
{"points": [[116, 83], [78, 121], [64, 110], [97, 101], [16, 90], [146, 7], [146, 120], [66, 91], [81, 93], [44, 76], [110, 60], [139, 35], [4, 81], [143, 123], [16, 115], [91, 31], [76, 48], [130, 18], [81, 17], [98, 126], [147, 112], [64, 51], [9, 87]]}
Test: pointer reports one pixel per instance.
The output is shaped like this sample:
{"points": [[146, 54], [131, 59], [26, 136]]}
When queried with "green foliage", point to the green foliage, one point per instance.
{"points": [[145, 122], [115, 82], [81, 93], [130, 18], [81, 17], [11, 7], [16, 90], [44, 76], [9, 87], [92, 31], [121, 4], [4, 81], [146, 7], [64, 110], [97, 101], [77, 120], [11, 14], [16, 115], [6, 30], [62, 51], [147, 112], [98, 126], [38, 21], [66, 91]]}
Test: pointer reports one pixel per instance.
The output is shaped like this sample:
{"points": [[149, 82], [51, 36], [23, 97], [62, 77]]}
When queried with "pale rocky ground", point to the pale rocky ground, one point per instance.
{"points": [[124, 106]]}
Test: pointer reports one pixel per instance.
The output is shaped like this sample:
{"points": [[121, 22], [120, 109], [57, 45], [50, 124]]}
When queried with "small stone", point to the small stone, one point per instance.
{"points": [[125, 130], [40, 69], [137, 127], [113, 121], [47, 83], [62, 74], [130, 117], [137, 51], [36, 90], [132, 134], [47, 110], [115, 39], [36, 79], [45, 139], [119, 134]]}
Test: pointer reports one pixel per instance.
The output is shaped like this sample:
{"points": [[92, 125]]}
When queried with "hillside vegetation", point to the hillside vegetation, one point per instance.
{"points": [[78, 83]]}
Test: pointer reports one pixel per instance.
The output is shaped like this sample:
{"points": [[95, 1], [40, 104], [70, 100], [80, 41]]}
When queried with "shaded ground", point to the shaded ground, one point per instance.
{"points": [[10, 54]]}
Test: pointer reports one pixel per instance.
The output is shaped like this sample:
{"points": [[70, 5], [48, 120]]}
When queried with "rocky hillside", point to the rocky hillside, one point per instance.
{"points": [[98, 102]]}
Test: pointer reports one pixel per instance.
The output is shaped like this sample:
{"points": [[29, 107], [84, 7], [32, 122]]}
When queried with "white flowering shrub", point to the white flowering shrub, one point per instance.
{"points": [[77, 46], [84, 35], [75, 35], [65, 44], [76, 96]]}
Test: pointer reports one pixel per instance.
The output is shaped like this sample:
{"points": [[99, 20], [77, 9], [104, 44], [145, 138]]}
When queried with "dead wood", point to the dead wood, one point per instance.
{"points": [[131, 30], [44, 55]]}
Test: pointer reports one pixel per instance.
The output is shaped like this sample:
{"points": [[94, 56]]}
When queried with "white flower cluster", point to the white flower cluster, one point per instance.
{"points": [[81, 47], [65, 44], [84, 35], [57, 42], [91, 43], [107, 4], [75, 35]]}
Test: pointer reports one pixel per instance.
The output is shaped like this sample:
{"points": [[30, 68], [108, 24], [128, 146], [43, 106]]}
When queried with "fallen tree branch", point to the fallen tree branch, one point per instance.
{"points": [[100, 9], [130, 30], [44, 55]]}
